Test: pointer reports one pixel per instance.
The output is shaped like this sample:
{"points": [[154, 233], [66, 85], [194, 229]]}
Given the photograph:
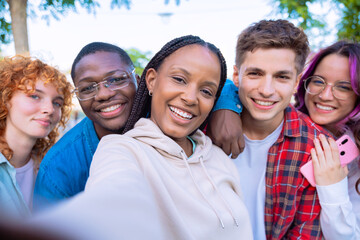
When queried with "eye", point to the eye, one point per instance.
{"points": [[254, 74], [179, 79], [58, 103], [118, 79], [285, 77], [317, 81], [87, 88], [34, 96], [344, 87], [207, 92]]}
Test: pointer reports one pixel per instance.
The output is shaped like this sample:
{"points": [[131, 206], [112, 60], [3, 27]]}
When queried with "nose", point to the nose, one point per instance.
{"points": [[266, 87], [189, 95], [326, 94], [48, 107], [104, 93]]}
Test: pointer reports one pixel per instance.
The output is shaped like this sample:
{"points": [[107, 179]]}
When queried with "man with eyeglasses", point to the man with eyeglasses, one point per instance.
{"points": [[105, 85]]}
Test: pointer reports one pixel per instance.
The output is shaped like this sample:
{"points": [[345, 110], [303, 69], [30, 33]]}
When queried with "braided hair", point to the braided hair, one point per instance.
{"points": [[142, 102]]}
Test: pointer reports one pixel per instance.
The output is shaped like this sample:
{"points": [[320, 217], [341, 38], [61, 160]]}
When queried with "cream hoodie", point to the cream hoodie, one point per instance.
{"points": [[197, 197]]}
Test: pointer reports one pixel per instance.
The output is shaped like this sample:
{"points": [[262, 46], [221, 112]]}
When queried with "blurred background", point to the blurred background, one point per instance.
{"points": [[55, 30]]}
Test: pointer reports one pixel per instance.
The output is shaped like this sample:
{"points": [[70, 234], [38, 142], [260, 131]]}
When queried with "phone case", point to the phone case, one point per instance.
{"points": [[348, 151]]}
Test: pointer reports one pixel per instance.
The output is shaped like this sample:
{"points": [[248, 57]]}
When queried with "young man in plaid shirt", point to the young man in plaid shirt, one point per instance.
{"points": [[270, 56]]}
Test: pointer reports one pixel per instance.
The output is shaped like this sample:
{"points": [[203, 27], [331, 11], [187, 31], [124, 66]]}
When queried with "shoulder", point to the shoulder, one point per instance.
{"points": [[311, 128], [70, 147], [116, 140], [300, 124], [116, 145]]}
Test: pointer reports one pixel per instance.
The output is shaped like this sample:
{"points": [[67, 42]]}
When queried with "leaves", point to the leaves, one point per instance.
{"points": [[348, 27], [140, 59]]}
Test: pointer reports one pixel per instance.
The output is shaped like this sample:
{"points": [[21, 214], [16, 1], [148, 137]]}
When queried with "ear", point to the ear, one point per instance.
{"points": [[236, 76], [137, 77], [297, 82], [150, 78]]}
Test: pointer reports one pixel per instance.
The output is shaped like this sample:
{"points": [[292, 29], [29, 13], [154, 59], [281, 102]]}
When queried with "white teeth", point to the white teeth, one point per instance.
{"points": [[264, 103], [324, 107], [181, 113], [110, 109]]}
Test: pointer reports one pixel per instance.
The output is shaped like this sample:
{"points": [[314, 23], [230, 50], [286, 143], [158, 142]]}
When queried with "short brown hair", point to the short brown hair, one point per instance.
{"points": [[273, 34]]}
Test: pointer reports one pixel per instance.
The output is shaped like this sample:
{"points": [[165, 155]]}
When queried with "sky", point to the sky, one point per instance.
{"points": [[142, 27]]}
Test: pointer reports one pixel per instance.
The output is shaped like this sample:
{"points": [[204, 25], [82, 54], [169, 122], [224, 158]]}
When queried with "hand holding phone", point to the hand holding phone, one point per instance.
{"points": [[348, 151]]}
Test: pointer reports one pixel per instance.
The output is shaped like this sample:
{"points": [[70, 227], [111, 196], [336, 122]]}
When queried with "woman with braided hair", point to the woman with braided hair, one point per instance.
{"points": [[194, 183], [35, 102], [162, 178]]}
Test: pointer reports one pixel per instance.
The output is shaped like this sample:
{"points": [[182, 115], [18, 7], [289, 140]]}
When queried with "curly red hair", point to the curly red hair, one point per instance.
{"points": [[17, 74]]}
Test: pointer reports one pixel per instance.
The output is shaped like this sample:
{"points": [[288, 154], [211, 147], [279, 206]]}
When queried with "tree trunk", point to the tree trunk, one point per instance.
{"points": [[19, 25]]}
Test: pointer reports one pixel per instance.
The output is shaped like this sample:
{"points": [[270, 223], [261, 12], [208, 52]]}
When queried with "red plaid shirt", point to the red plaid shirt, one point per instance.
{"points": [[292, 208]]}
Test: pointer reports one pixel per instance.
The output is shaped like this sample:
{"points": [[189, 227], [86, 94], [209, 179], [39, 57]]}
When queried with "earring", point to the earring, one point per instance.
{"points": [[150, 93]]}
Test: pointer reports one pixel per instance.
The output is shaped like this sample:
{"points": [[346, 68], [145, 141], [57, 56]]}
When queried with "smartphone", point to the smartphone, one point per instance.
{"points": [[348, 151]]}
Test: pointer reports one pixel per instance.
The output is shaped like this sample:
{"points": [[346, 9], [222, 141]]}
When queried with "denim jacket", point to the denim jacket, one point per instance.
{"points": [[65, 168], [229, 98]]}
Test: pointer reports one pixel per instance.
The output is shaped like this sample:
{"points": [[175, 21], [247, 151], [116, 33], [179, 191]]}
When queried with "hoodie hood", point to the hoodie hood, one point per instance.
{"points": [[148, 132]]}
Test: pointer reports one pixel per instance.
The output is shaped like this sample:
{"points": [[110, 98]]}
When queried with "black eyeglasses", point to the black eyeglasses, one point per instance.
{"points": [[118, 80], [341, 90]]}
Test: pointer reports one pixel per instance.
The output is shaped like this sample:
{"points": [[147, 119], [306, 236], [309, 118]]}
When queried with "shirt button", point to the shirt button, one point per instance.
{"points": [[238, 106]]}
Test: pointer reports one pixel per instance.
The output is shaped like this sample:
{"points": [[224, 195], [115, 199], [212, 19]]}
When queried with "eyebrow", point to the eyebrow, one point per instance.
{"points": [[249, 69], [206, 82], [255, 69], [57, 97], [88, 78], [340, 80], [286, 72]]}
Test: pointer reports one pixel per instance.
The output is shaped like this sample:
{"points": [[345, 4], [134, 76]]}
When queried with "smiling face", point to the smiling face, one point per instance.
{"points": [[267, 79], [109, 110], [183, 90], [34, 115], [323, 108]]}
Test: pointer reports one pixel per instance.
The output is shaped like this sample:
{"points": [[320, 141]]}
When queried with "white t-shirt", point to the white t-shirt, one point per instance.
{"points": [[25, 178], [251, 164]]}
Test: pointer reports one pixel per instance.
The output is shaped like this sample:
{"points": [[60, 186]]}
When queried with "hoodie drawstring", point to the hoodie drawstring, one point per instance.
{"points": [[218, 192], [214, 186], [198, 188]]}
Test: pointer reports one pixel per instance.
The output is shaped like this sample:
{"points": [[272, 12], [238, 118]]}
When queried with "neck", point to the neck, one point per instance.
{"points": [[186, 145], [21, 147], [259, 129]]}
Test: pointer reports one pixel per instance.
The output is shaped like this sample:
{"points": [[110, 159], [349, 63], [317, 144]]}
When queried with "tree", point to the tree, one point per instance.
{"points": [[139, 59], [21, 9], [349, 11]]}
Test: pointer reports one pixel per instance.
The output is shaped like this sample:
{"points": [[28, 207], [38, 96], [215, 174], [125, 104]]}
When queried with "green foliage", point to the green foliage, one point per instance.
{"points": [[349, 27], [140, 59], [348, 10], [5, 26], [54, 9]]}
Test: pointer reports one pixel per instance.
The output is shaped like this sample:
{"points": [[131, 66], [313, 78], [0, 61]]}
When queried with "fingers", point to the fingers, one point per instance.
{"points": [[235, 150], [328, 157], [319, 152], [334, 151], [326, 161], [226, 148], [241, 143]]}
